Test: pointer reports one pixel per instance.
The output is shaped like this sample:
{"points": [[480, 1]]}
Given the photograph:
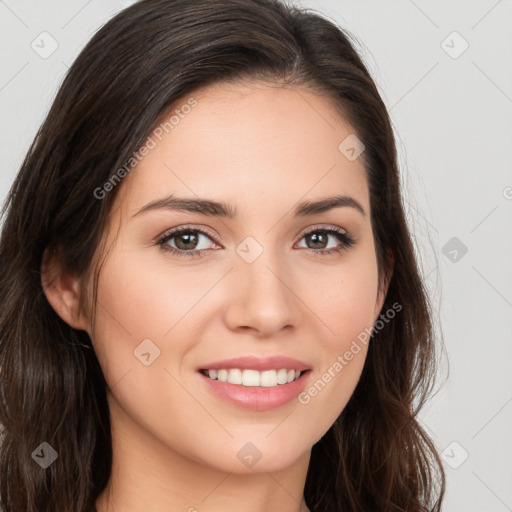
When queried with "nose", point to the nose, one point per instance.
{"points": [[261, 297]]}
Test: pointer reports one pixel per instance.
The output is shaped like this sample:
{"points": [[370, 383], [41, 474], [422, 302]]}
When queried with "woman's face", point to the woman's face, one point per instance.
{"points": [[265, 282]]}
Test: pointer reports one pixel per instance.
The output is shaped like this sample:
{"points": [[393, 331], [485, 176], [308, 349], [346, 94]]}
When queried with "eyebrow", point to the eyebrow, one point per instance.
{"points": [[220, 209]]}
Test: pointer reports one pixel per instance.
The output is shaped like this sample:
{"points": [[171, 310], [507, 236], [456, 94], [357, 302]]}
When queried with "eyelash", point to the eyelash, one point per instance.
{"points": [[343, 236]]}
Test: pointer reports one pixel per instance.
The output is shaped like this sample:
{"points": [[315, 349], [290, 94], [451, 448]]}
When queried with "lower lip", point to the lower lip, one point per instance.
{"points": [[256, 397]]}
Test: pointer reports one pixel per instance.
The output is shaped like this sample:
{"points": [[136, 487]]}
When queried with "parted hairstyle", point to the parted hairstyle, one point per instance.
{"points": [[376, 457]]}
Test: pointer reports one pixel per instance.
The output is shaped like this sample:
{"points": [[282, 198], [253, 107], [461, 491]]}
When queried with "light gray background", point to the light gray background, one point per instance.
{"points": [[452, 113]]}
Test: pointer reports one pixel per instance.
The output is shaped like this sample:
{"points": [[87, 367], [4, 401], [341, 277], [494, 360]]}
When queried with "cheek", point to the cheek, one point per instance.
{"points": [[140, 300], [343, 299], [147, 299], [345, 304]]}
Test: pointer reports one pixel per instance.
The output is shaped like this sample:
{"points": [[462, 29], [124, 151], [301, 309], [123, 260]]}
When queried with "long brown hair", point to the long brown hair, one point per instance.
{"points": [[376, 456]]}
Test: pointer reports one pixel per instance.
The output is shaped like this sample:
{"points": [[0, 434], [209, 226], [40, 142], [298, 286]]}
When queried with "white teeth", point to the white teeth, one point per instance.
{"points": [[267, 378], [282, 376], [250, 377], [235, 376]]}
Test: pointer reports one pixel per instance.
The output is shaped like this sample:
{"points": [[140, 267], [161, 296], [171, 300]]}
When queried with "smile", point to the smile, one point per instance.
{"points": [[258, 391], [252, 378]]}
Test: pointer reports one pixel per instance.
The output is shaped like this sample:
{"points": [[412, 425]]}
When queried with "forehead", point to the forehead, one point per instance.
{"points": [[252, 144]]}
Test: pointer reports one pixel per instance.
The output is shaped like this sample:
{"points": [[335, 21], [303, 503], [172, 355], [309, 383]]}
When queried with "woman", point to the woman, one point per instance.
{"points": [[210, 295]]}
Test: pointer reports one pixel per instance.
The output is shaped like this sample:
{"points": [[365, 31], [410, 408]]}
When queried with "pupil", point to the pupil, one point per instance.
{"points": [[188, 236], [315, 238]]}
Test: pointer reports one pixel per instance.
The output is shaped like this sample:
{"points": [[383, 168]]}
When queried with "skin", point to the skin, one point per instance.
{"points": [[261, 148]]}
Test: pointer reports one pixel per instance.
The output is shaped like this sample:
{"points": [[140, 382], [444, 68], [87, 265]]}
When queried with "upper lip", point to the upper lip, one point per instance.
{"points": [[258, 363]]}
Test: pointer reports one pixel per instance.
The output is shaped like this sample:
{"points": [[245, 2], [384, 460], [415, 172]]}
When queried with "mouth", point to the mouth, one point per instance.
{"points": [[254, 378], [253, 389]]}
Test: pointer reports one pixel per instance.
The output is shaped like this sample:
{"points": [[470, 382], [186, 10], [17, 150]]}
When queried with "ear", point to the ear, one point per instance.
{"points": [[62, 290], [384, 284]]}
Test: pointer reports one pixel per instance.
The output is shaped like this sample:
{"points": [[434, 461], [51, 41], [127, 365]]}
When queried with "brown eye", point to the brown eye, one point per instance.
{"points": [[186, 240], [318, 239], [189, 242]]}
